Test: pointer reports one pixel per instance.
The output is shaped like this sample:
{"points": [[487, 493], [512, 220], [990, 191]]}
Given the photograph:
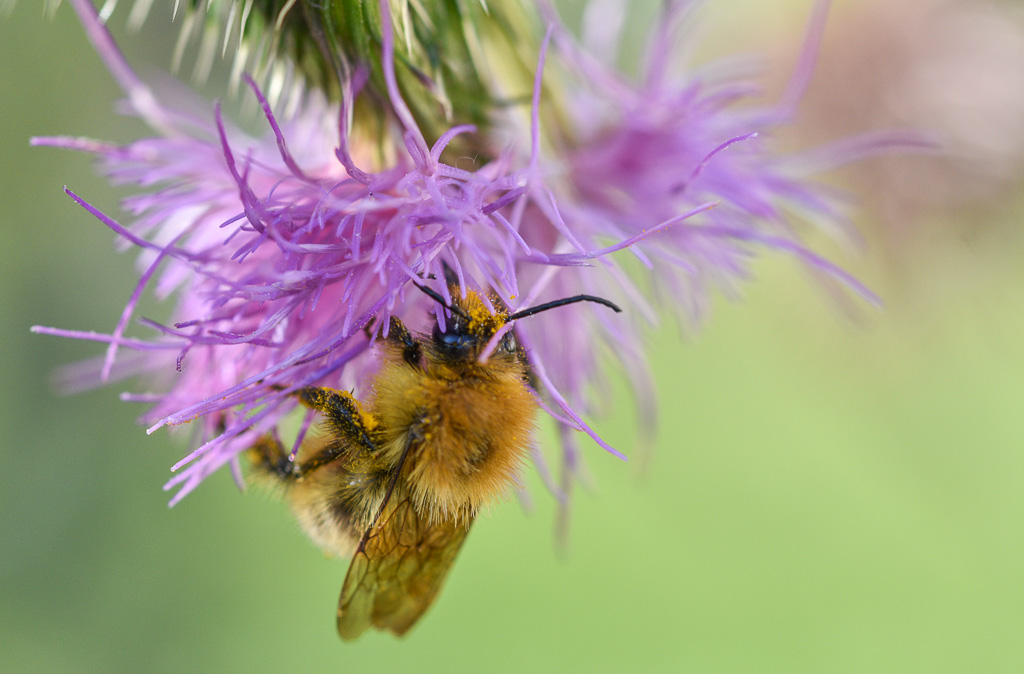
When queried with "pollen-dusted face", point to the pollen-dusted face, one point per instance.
{"points": [[469, 328]]}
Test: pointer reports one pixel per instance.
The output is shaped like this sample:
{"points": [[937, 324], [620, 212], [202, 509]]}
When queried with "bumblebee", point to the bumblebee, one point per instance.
{"points": [[397, 479]]}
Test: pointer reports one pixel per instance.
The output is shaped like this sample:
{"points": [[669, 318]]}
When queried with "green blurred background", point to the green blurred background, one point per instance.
{"points": [[828, 493]]}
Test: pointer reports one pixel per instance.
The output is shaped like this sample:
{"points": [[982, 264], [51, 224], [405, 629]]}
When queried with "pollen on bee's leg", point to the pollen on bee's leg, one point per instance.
{"points": [[345, 415]]}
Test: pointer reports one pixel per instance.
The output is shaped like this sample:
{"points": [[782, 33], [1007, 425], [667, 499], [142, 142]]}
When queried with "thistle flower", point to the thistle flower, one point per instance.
{"points": [[283, 250]]}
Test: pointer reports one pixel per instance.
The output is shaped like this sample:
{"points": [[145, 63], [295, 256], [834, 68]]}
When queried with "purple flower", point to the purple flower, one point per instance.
{"points": [[282, 250]]}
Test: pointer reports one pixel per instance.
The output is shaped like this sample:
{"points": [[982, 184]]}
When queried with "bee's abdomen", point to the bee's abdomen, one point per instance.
{"points": [[336, 506]]}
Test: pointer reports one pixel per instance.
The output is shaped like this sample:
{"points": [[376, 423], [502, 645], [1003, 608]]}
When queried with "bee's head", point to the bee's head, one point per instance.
{"points": [[470, 325]]}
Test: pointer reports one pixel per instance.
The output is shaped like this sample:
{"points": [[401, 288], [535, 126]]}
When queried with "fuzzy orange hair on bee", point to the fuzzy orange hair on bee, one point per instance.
{"points": [[397, 478]]}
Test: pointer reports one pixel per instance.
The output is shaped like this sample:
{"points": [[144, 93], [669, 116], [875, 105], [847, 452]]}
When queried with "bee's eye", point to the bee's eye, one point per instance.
{"points": [[449, 338], [508, 342], [453, 338]]}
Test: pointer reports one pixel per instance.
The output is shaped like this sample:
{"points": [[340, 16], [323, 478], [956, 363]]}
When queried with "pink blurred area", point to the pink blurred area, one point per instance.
{"points": [[954, 68]]}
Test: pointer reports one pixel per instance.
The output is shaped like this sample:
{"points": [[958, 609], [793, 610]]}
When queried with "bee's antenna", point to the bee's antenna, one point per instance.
{"points": [[561, 303], [432, 294]]}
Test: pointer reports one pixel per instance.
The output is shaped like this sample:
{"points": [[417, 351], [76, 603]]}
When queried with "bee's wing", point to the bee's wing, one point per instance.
{"points": [[396, 578]]}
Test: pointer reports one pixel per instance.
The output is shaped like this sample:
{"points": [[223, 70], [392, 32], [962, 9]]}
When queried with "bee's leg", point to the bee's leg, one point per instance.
{"points": [[400, 335], [529, 375], [269, 456], [345, 419], [347, 423], [387, 495]]}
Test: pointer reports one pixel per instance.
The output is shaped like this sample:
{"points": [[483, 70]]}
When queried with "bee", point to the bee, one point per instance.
{"points": [[396, 480]]}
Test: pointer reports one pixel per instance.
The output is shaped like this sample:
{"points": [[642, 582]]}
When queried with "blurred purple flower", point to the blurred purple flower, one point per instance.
{"points": [[281, 250]]}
